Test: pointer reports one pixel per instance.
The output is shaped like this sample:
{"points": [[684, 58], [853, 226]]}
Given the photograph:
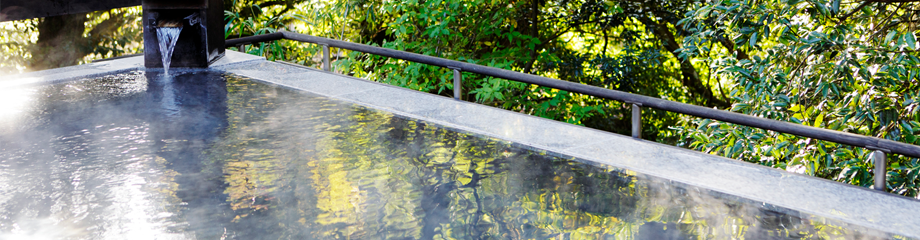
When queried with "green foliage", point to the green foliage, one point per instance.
{"points": [[844, 66], [240, 25], [115, 32], [15, 39]]}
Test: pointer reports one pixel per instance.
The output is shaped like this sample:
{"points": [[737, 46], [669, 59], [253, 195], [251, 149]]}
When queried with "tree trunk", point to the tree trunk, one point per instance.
{"points": [[689, 77], [60, 42]]}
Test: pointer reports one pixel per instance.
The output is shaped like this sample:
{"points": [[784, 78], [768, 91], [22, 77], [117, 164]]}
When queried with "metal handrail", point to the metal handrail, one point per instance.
{"points": [[880, 146]]}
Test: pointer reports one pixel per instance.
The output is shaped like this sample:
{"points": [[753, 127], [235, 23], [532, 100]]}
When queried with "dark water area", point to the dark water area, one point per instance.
{"points": [[205, 155]]}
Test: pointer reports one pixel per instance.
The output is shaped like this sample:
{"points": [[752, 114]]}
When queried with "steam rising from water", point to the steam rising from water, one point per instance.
{"points": [[166, 37]]}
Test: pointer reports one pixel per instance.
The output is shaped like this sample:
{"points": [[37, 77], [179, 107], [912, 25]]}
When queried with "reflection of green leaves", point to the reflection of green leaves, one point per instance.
{"points": [[300, 167]]}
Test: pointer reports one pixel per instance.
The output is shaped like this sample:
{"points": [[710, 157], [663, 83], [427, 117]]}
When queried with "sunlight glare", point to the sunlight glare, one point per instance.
{"points": [[14, 102]]}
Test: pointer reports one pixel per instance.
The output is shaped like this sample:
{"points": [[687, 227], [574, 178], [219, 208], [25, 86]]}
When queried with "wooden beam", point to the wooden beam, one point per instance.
{"points": [[25, 9]]}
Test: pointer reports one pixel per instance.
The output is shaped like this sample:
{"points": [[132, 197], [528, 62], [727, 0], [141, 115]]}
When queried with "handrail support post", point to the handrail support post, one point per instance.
{"points": [[326, 57], [881, 170], [636, 120], [458, 82]]}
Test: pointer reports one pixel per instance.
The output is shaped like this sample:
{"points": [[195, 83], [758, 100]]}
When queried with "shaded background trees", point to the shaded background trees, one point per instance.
{"points": [[66, 40]]}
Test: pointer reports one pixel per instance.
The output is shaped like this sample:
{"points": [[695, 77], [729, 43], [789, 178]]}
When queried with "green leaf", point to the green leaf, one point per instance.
{"points": [[910, 40], [753, 40], [740, 106], [736, 149], [890, 36], [819, 120]]}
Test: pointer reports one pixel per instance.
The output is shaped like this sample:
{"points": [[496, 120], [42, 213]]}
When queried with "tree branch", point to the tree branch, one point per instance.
{"points": [[731, 48], [689, 77], [857, 9], [107, 27]]}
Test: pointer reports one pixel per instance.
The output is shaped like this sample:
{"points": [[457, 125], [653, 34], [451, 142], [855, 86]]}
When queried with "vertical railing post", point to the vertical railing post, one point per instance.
{"points": [[636, 120], [881, 170], [326, 57], [458, 82]]}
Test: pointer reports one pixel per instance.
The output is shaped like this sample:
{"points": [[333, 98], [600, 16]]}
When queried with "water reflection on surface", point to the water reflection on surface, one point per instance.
{"points": [[200, 155]]}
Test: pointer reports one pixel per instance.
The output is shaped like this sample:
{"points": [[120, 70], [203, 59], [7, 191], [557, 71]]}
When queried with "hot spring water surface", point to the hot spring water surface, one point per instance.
{"points": [[203, 155]]}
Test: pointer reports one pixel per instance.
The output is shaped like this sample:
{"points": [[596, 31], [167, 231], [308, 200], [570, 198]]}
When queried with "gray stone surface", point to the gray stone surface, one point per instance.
{"points": [[74, 72], [263, 66], [795, 191], [312, 81], [883, 211], [231, 58], [103, 68]]}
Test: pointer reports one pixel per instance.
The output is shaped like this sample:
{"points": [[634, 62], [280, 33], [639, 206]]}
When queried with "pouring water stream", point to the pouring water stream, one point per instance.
{"points": [[167, 37]]}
